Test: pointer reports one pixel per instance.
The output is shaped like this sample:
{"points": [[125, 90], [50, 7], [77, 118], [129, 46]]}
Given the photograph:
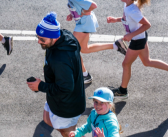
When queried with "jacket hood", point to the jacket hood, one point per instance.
{"points": [[66, 42]]}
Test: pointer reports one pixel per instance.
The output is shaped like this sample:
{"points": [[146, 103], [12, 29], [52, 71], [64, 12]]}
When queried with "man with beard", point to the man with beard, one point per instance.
{"points": [[64, 85]]}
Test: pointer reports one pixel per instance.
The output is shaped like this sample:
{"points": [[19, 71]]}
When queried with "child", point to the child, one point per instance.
{"points": [[86, 22], [7, 42], [102, 121], [135, 25]]}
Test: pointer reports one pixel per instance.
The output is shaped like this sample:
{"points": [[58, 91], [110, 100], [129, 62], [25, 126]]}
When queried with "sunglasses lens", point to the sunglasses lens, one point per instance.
{"points": [[42, 40]]}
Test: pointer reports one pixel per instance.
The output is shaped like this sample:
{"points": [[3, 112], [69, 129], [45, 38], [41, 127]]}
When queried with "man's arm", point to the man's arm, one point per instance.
{"points": [[64, 80]]}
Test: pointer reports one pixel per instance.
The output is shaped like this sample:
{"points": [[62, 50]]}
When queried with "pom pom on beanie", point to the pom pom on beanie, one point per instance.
{"points": [[49, 27]]}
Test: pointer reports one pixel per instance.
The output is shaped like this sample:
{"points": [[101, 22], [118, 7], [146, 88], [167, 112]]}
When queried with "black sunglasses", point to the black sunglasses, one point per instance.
{"points": [[41, 39]]}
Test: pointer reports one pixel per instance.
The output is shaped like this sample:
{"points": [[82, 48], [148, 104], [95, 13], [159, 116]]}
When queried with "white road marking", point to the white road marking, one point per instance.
{"points": [[165, 39], [24, 38], [22, 32], [93, 37]]}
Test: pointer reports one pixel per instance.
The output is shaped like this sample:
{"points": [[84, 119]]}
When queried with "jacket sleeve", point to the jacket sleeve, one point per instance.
{"points": [[112, 128], [64, 80], [81, 131]]}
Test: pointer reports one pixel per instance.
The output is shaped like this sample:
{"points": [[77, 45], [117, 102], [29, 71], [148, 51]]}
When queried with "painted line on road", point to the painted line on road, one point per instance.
{"points": [[24, 38], [21, 32], [96, 37], [93, 37]]}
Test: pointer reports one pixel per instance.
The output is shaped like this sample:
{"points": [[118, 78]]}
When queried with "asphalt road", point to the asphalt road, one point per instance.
{"points": [[144, 114]]}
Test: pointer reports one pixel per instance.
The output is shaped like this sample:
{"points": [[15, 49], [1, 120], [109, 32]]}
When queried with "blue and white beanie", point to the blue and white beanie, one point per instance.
{"points": [[49, 27]]}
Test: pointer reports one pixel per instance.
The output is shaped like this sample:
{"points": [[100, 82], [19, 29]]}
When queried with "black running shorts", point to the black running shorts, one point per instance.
{"points": [[138, 44]]}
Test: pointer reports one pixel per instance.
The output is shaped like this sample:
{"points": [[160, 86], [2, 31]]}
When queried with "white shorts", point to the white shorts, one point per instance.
{"points": [[60, 122]]}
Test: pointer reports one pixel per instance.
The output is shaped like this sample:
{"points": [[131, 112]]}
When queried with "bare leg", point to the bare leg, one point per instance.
{"points": [[46, 118], [64, 132], [83, 66], [130, 57], [99, 47], [144, 56], [83, 39]]}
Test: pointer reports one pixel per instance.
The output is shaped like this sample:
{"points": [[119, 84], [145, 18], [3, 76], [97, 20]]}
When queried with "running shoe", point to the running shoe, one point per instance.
{"points": [[117, 93], [87, 79], [8, 45], [122, 46]]}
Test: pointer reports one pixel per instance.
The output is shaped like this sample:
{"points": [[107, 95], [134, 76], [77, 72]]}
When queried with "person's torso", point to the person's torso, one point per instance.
{"points": [[65, 104], [76, 7], [131, 15], [101, 122]]}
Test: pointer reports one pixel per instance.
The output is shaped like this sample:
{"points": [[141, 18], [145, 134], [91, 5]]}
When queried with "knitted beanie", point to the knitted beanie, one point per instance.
{"points": [[49, 27]]}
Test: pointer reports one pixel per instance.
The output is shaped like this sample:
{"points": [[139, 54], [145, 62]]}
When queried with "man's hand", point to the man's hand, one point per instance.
{"points": [[99, 132], [34, 85], [111, 19]]}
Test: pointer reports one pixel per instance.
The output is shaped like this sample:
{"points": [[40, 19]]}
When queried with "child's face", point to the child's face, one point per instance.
{"points": [[101, 107]]}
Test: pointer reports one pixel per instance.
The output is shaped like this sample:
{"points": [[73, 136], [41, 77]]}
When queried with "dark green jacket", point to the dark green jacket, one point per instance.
{"points": [[64, 85]]}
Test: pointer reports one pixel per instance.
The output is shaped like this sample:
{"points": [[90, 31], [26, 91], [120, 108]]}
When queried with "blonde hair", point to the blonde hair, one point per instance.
{"points": [[112, 108], [141, 3]]}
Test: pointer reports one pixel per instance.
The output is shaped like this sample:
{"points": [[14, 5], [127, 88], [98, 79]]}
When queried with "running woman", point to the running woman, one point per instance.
{"points": [[86, 22], [7, 42], [135, 25]]}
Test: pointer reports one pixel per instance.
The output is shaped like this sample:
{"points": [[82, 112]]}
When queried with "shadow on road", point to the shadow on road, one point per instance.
{"points": [[87, 85], [43, 130], [119, 106], [157, 132], [2, 68]]}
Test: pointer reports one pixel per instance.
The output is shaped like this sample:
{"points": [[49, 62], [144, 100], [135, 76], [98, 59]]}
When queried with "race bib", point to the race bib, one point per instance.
{"points": [[74, 13], [126, 26], [93, 131]]}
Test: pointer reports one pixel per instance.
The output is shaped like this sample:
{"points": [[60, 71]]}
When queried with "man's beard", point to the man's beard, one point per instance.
{"points": [[46, 46]]}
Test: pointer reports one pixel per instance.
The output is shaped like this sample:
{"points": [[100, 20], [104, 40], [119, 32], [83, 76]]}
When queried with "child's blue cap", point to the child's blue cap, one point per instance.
{"points": [[103, 94]]}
